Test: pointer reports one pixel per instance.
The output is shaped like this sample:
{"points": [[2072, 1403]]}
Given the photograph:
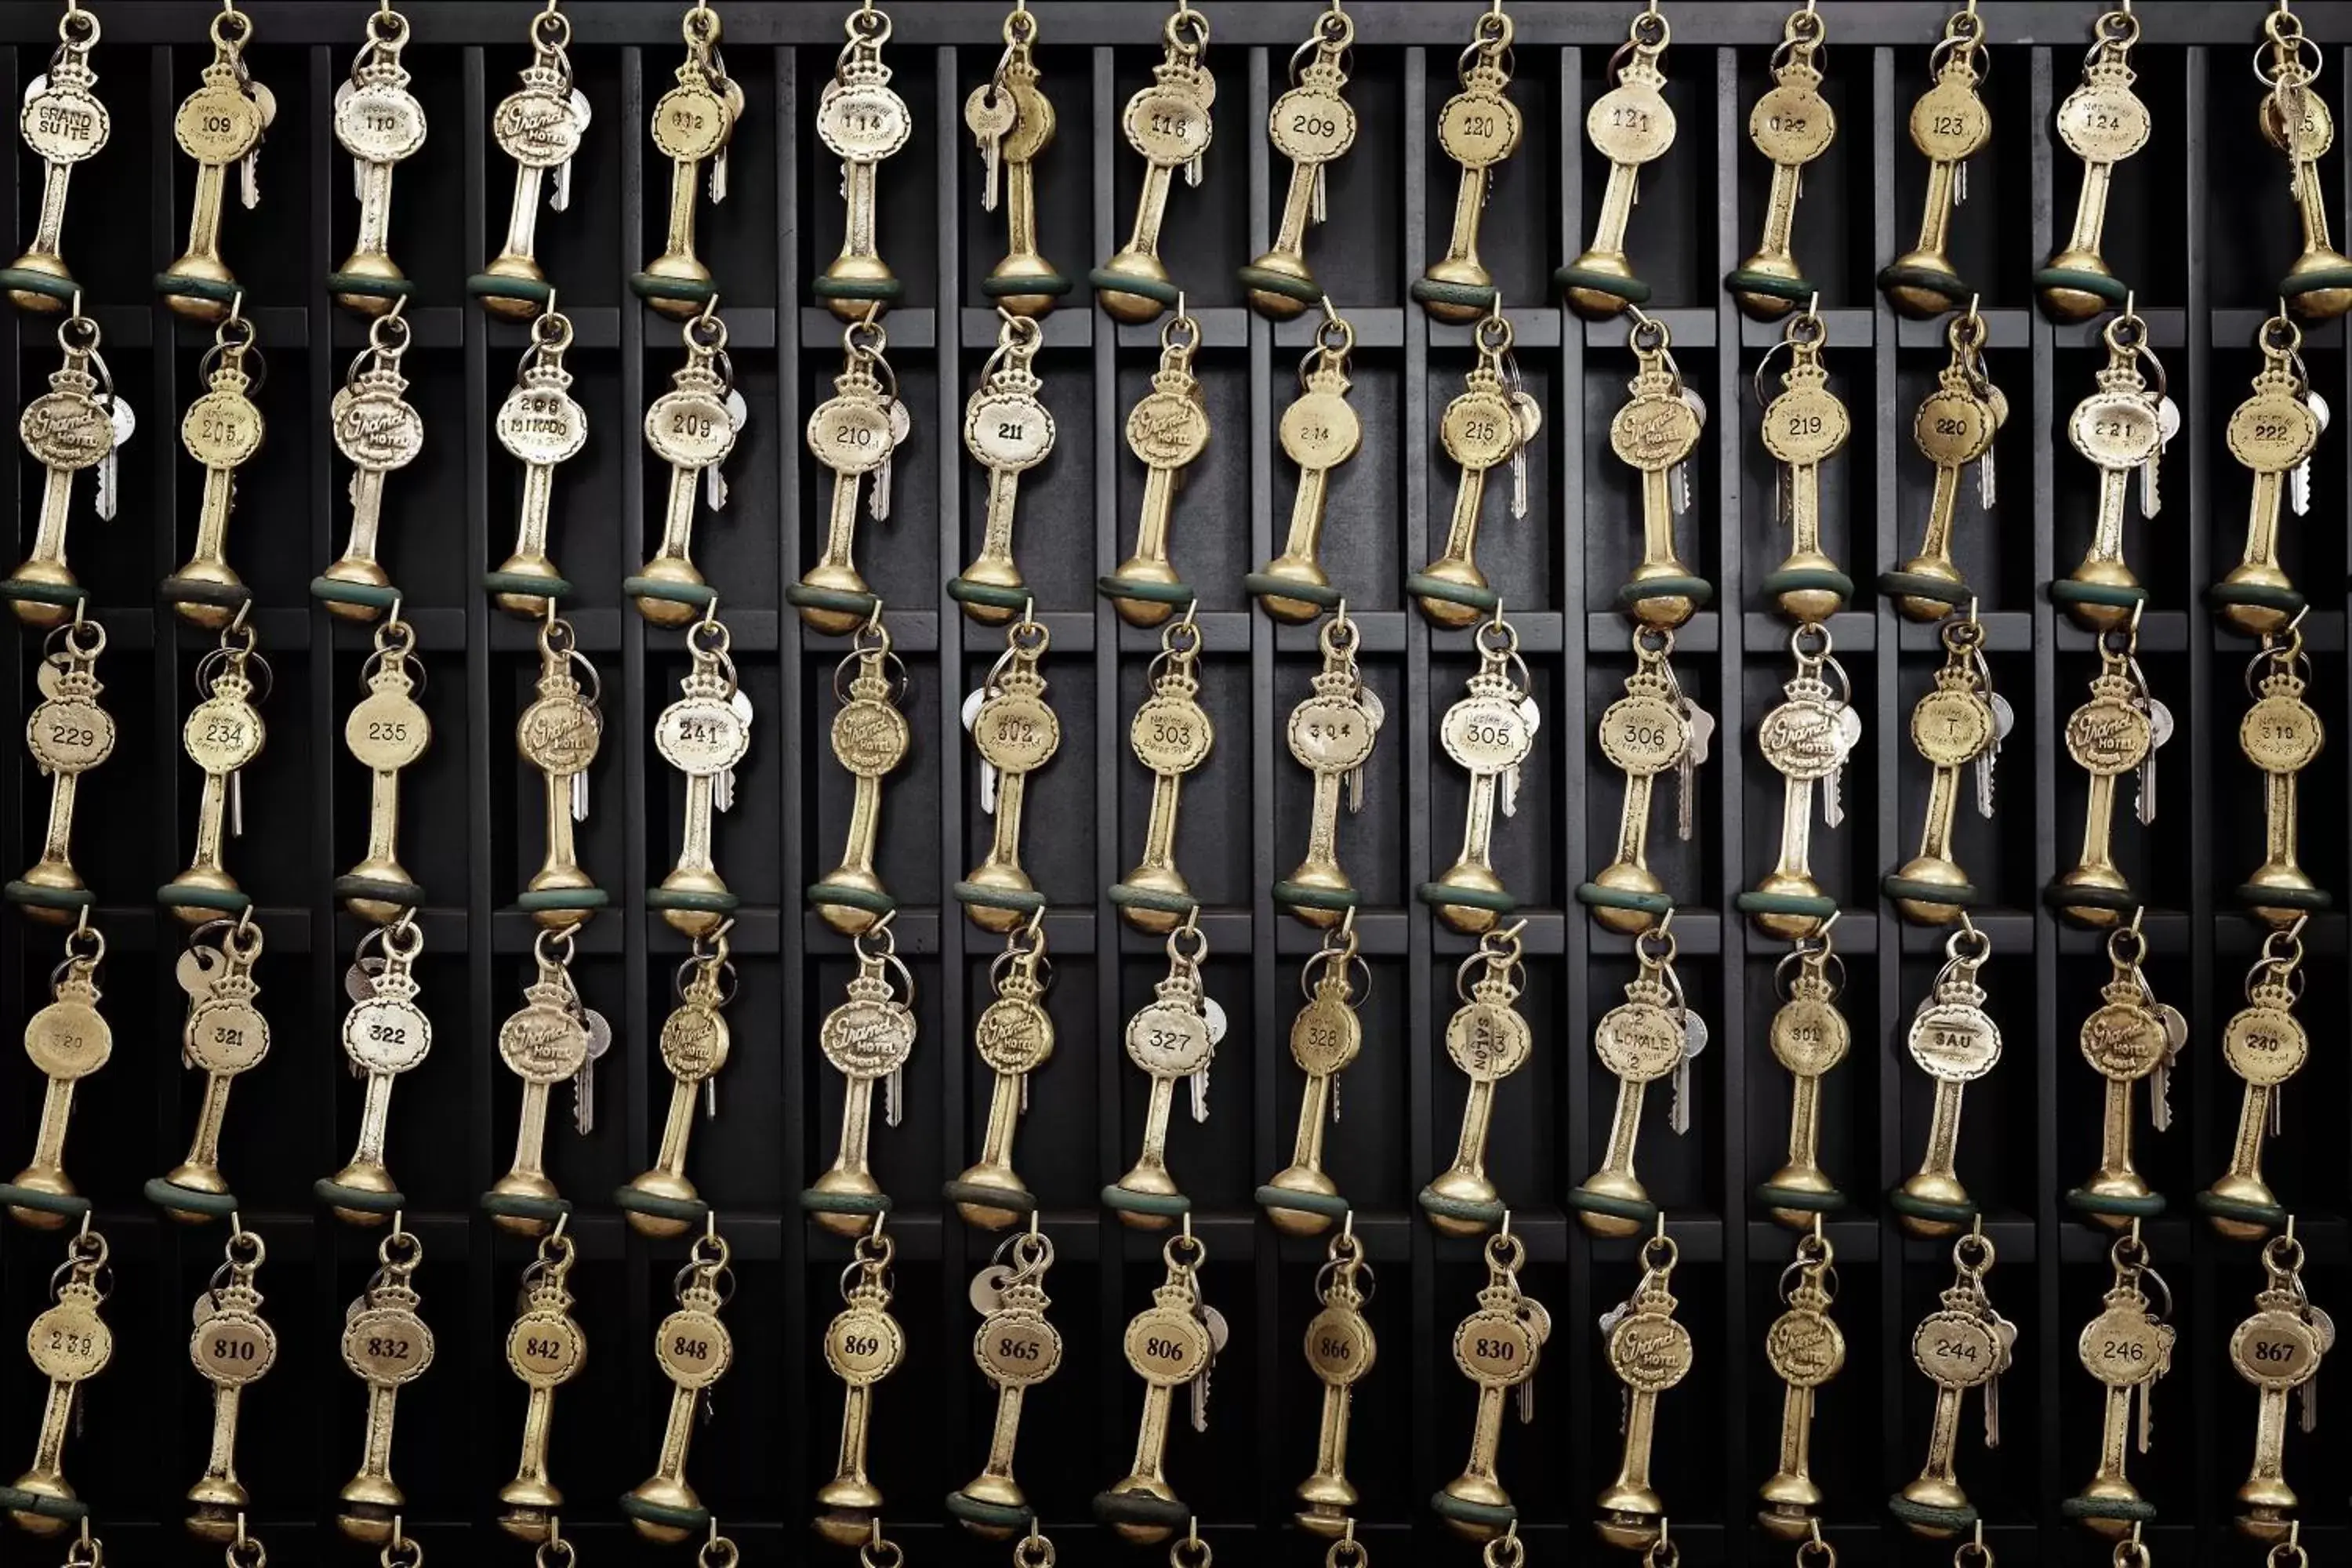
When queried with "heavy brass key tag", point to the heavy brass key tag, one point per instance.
{"points": [[1490, 732], [1479, 128], [224, 1037], [70, 1344], [2278, 1350], [705, 734], [861, 122], [1008, 432], [223, 735], [68, 1040], [221, 430], [692, 124], [2295, 119], [545, 1349], [1497, 1348], [2281, 736], [2127, 1347], [387, 1346], [378, 432], [1650, 1352], [1960, 723], [559, 735], [1655, 727], [68, 734], [1015, 733], [387, 733], [868, 1039], [385, 1034], [2122, 428], [1805, 425], [1949, 125], [1167, 429], [79, 423], [1809, 1037], [1012, 121], [2129, 1036], [232, 1347], [1653, 1034], [540, 425], [1655, 433], [1962, 1346], [1955, 1042], [1173, 1343], [1172, 736], [1489, 1041], [2266, 1045], [1806, 740], [1172, 1037], [692, 428], [219, 124], [2273, 433], [854, 434], [1016, 1350], [694, 1349], [541, 125], [1954, 427], [662, 1202], [1331, 734], [1630, 125], [379, 122], [863, 1345], [553, 1036], [63, 123], [1319, 432], [1805, 1349], [1167, 125], [1340, 1351], [1325, 1037], [1491, 422], [1792, 125], [2118, 731], [870, 740], [1014, 1038], [2102, 123], [1311, 126]]}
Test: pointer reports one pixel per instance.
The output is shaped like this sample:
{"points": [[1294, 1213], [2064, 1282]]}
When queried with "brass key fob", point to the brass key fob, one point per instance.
{"points": [[692, 124], [861, 122], [232, 1347], [1311, 126], [2129, 1036], [223, 735], [1962, 1346], [1008, 432], [1167, 429], [1806, 739], [2273, 433], [1172, 1037], [387, 733], [540, 425], [70, 1344], [63, 125], [1015, 733], [1792, 125], [705, 734], [1653, 1034], [224, 1037], [378, 432], [694, 1351], [1331, 734], [541, 125], [1654, 432], [1497, 1347], [2121, 429], [1013, 122], [1630, 125], [863, 1345], [379, 122], [2102, 123], [385, 1034], [854, 434], [1953, 427], [68, 1040], [1490, 734], [1173, 1343], [662, 1202], [1805, 425], [221, 430], [559, 735], [387, 1346], [2295, 119], [1325, 1037], [2278, 1350], [1479, 128], [68, 734], [692, 428], [1340, 1351], [1650, 1352], [868, 1039], [1949, 125], [220, 124], [1167, 125], [1319, 432], [2266, 1045], [1805, 1349], [2117, 731], [1491, 422], [79, 423], [1655, 727], [1016, 1350], [1014, 1038], [2127, 1347], [1489, 1041], [870, 740], [551, 1037], [545, 1349], [1172, 736], [1955, 1042], [1809, 1036], [2281, 736], [1959, 724]]}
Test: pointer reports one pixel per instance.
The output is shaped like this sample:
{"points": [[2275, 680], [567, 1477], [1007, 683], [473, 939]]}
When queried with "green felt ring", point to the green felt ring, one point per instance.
{"points": [[1486, 1516], [1775, 1197], [1149, 592], [43, 593], [816, 1202], [1697, 590], [1142, 1508], [334, 1195], [697, 903], [1264, 585], [2269, 1215], [408, 895], [224, 292], [493, 286], [1919, 1516], [991, 1515], [1640, 1211], [524, 583], [35, 895], [340, 592], [1298, 896], [188, 895], [1421, 585], [1014, 283], [980, 1195], [31, 280], [1947, 286], [171, 1195], [73, 1205], [1818, 906], [1303, 290], [518, 1205], [2066, 591], [1920, 586], [1469, 296], [555, 899], [648, 286], [1127, 896], [2133, 1510], [848, 897], [1330, 1205], [964, 590], [1928, 1209], [370, 288], [2312, 899], [887, 290], [1104, 281], [1964, 896], [2286, 600], [2059, 896], [2113, 289], [1633, 290], [685, 1519], [1809, 579], [1592, 895], [801, 596], [16, 1499], [196, 590], [1168, 1206], [1487, 1213], [996, 898], [696, 594], [1771, 285], [2312, 282], [635, 1201], [1439, 895], [2088, 1202]]}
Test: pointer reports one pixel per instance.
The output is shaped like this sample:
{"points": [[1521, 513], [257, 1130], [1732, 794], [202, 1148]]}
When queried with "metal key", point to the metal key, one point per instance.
{"points": [[79, 423], [224, 733], [68, 1344], [232, 1347], [868, 1039], [1954, 426], [2113, 734], [1490, 733], [1311, 126], [2265, 1046], [1479, 128], [1951, 727], [1499, 1348], [2281, 736], [863, 1345], [1805, 1349], [861, 122], [1011, 118], [2128, 1038], [1630, 125], [385, 1036], [540, 425], [379, 123], [387, 1346], [694, 1351], [1644, 1039], [2273, 433], [870, 740], [2295, 119], [1809, 1036], [1173, 1036], [1015, 733], [541, 125], [854, 434], [1331, 734], [1008, 432], [1167, 125], [67, 1040], [1319, 432], [1301, 1199], [2121, 429], [1650, 1352], [1172, 736], [543, 1044], [1955, 1042], [559, 735], [545, 1347], [2127, 1347], [1489, 423], [661, 1202], [224, 1036], [219, 124], [387, 733], [1949, 125], [692, 428], [1014, 1038], [1962, 1346], [68, 734], [1340, 1351], [692, 124], [705, 736], [1489, 1041], [1171, 1345], [221, 430], [63, 123], [1167, 429], [1792, 125], [1806, 739], [1655, 433], [1017, 1350], [2102, 123], [1643, 734], [2278, 1350]]}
